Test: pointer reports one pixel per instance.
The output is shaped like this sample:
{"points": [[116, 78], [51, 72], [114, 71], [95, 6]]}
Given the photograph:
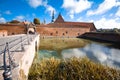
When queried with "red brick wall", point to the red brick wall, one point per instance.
{"points": [[103, 36], [46, 31], [3, 33], [66, 32], [13, 29]]}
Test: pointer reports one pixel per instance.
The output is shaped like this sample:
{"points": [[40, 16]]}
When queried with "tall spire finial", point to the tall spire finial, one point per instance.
{"points": [[59, 13], [44, 22], [52, 17]]}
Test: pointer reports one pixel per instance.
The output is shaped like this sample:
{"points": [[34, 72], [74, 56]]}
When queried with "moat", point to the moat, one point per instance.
{"points": [[63, 48]]}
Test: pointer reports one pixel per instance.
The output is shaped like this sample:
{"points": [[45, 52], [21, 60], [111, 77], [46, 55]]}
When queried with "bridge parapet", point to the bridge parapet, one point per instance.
{"points": [[21, 50]]}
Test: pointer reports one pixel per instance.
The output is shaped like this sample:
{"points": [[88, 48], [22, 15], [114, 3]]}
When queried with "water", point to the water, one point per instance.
{"points": [[73, 47]]}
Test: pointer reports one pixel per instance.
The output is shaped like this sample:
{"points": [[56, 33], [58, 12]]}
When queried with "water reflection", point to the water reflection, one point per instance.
{"points": [[67, 47], [97, 53]]}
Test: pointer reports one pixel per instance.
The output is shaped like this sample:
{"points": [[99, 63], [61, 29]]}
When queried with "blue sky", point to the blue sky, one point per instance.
{"points": [[104, 13]]}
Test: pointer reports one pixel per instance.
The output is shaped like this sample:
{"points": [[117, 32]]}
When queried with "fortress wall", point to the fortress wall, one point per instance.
{"points": [[65, 32], [13, 29], [3, 33], [43, 30], [110, 37]]}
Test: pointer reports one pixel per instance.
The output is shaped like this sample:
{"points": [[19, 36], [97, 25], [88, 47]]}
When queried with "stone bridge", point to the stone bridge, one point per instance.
{"points": [[16, 56]]}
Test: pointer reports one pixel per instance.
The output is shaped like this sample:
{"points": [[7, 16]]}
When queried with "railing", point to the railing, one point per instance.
{"points": [[6, 51]]}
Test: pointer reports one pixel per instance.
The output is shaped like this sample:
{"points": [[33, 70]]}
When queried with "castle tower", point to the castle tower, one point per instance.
{"points": [[59, 19], [44, 22], [52, 17]]}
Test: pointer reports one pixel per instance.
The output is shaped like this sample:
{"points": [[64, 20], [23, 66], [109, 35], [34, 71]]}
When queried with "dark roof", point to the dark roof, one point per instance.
{"points": [[59, 19]]}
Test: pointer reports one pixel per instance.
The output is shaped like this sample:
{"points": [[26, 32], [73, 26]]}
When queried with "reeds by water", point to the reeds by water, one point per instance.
{"points": [[71, 69]]}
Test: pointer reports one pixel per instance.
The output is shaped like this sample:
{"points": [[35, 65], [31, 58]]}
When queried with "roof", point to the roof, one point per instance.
{"points": [[83, 24], [3, 30], [59, 19], [60, 23], [73, 25]]}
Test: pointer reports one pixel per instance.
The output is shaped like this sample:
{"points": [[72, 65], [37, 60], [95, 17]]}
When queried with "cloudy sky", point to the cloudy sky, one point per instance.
{"points": [[104, 13]]}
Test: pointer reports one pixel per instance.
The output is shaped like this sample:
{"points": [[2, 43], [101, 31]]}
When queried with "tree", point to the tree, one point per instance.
{"points": [[36, 21]]}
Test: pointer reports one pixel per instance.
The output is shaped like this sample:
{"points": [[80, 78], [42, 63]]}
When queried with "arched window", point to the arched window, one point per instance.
{"points": [[13, 33], [30, 32], [66, 32], [56, 32], [51, 34]]}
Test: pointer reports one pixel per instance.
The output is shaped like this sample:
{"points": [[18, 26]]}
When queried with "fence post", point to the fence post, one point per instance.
{"points": [[28, 38], [22, 46], [7, 74]]}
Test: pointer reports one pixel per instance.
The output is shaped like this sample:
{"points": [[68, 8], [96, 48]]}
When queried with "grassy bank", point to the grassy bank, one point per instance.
{"points": [[71, 69]]}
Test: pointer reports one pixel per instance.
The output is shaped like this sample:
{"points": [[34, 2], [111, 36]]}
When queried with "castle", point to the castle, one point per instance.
{"points": [[57, 28], [63, 28]]}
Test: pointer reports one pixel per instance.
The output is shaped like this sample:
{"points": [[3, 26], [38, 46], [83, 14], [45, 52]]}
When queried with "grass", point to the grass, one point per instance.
{"points": [[62, 43], [71, 69]]}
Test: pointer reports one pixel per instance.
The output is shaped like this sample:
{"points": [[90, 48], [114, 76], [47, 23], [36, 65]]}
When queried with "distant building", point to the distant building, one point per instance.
{"points": [[3, 33], [63, 28], [13, 29], [59, 27]]}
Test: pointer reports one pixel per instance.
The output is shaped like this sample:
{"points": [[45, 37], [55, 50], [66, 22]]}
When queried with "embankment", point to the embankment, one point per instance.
{"points": [[105, 37]]}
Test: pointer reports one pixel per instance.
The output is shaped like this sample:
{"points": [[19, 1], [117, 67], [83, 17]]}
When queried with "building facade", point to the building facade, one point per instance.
{"points": [[3, 33], [66, 29], [58, 28]]}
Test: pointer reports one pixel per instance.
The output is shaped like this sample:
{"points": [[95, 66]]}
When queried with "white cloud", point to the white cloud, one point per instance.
{"points": [[20, 18], [50, 9], [2, 20], [104, 7], [118, 12], [80, 19], [71, 16], [35, 3], [44, 3], [73, 53], [8, 12], [107, 23], [76, 6]]}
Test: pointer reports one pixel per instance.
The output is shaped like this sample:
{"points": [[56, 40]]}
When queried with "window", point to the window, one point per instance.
{"points": [[51, 34], [63, 34], [56, 32], [13, 33], [66, 32]]}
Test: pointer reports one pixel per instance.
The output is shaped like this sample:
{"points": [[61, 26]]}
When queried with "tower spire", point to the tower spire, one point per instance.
{"points": [[52, 17], [44, 22], [59, 19]]}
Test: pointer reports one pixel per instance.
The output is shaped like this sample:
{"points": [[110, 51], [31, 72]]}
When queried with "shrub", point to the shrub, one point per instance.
{"points": [[71, 69], [36, 21]]}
